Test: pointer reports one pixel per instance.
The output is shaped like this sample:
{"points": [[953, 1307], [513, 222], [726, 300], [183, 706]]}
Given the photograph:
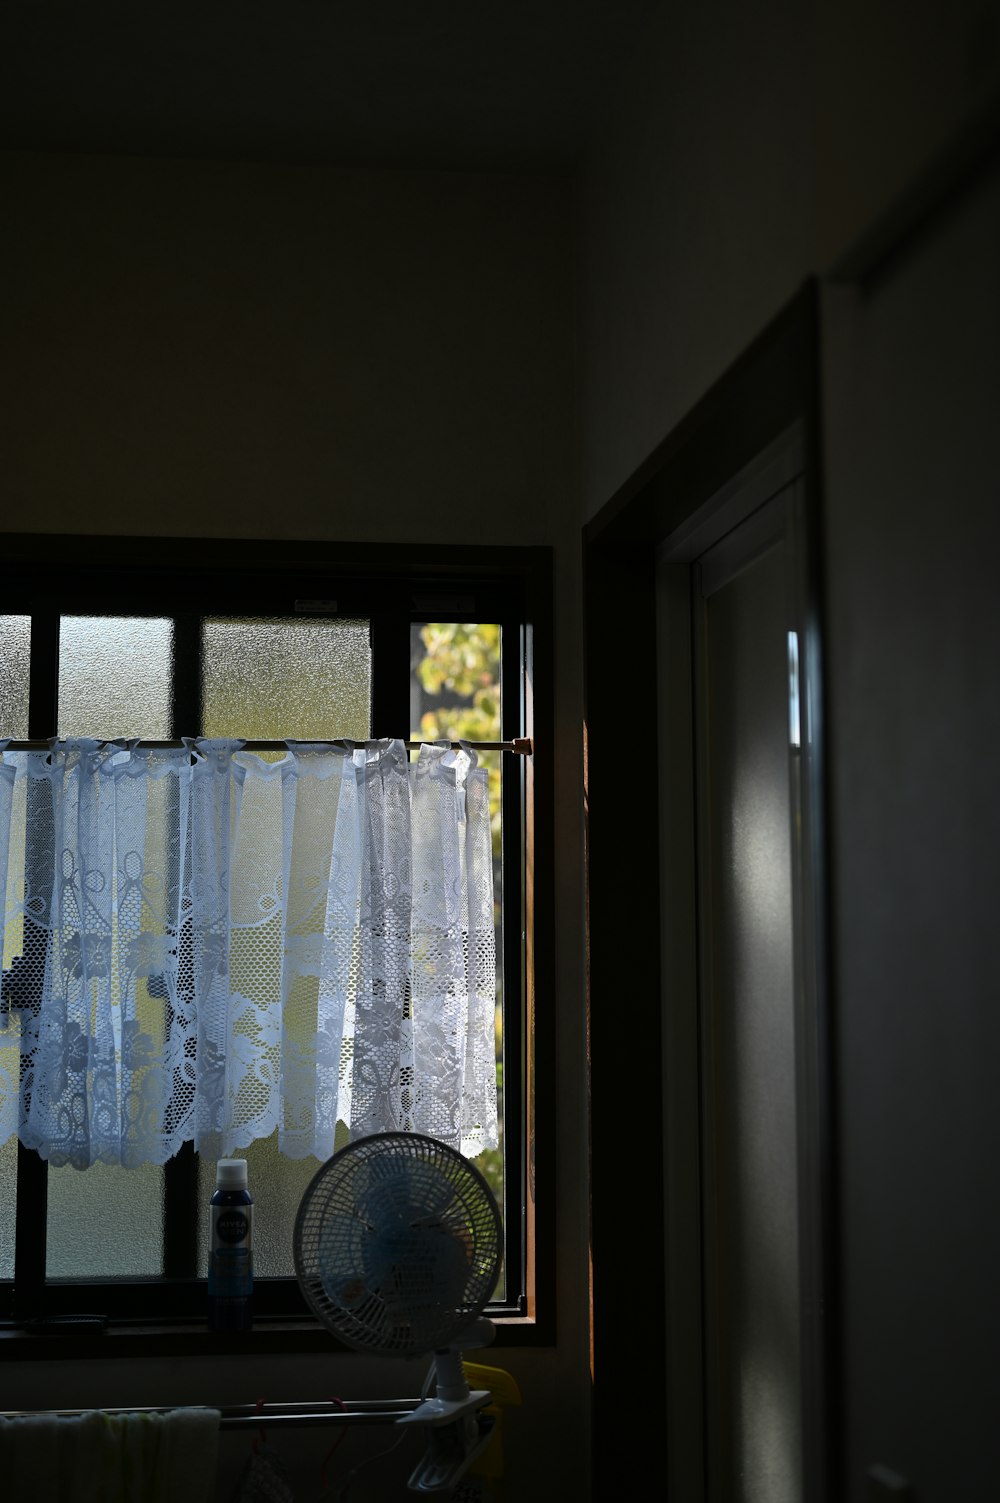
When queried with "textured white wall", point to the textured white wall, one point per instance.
{"points": [[242, 350], [912, 542], [746, 150]]}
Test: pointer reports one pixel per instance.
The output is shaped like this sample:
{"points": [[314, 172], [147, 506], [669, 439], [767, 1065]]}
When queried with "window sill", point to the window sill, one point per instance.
{"points": [[63, 1342]]}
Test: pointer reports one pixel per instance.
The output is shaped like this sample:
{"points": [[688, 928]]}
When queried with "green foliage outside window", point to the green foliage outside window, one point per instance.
{"points": [[458, 672]]}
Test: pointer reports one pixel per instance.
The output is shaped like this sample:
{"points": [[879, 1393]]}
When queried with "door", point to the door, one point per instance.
{"points": [[745, 815], [738, 999]]}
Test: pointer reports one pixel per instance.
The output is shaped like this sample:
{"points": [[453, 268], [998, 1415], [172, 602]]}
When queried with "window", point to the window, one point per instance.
{"points": [[267, 642]]}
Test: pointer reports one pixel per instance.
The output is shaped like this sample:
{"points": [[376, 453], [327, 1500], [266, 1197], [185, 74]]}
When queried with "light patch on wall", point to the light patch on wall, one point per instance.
{"points": [[793, 690]]}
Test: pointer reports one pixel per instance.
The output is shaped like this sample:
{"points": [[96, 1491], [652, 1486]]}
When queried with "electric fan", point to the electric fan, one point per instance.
{"points": [[397, 1246]]}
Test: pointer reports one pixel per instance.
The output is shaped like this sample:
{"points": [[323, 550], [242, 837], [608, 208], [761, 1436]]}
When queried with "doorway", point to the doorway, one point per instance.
{"points": [[735, 965], [707, 1011]]}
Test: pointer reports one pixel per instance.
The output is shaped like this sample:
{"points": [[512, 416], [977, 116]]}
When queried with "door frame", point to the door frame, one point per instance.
{"points": [[760, 421], [761, 506]]}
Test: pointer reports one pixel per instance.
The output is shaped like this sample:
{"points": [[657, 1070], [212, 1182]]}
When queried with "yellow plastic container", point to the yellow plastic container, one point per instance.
{"points": [[486, 1472]]}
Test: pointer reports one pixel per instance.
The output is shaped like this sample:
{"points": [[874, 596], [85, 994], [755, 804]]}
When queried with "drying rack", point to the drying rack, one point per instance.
{"points": [[254, 1416]]}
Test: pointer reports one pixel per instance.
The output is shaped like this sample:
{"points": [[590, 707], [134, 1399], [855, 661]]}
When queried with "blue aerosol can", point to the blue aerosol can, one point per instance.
{"points": [[230, 1257]]}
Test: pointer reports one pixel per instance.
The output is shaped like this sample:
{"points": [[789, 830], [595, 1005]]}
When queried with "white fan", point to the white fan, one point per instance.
{"points": [[398, 1246]]}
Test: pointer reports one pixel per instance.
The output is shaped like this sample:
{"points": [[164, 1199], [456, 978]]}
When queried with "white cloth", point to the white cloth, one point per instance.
{"points": [[204, 945], [94, 1457]]}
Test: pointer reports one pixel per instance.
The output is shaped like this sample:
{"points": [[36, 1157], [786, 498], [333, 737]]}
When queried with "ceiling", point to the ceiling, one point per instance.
{"points": [[448, 84]]}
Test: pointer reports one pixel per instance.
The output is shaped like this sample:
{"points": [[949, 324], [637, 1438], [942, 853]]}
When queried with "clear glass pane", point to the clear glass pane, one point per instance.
{"points": [[8, 1192], [301, 678], [115, 676], [277, 1186], [15, 647], [105, 1222], [455, 695]]}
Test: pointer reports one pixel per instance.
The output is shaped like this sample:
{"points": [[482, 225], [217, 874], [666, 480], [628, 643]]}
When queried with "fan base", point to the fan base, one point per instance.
{"points": [[450, 1452], [442, 1411]]}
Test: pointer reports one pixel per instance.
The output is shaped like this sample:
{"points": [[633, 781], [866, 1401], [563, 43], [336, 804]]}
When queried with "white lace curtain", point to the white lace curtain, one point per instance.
{"points": [[203, 945]]}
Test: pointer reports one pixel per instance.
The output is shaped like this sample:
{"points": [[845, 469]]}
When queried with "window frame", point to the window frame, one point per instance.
{"points": [[46, 577]]}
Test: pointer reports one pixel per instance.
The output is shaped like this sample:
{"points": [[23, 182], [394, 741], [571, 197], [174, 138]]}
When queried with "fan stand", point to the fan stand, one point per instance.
{"points": [[456, 1431], [398, 1243]]}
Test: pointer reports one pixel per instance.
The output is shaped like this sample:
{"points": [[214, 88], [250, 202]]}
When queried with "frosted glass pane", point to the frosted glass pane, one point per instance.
{"points": [[8, 1190], [297, 679], [115, 676], [277, 1186], [15, 646], [105, 1222]]}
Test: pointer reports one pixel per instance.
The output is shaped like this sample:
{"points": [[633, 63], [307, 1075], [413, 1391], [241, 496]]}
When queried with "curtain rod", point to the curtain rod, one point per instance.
{"points": [[521, 746], [257, 1416]]}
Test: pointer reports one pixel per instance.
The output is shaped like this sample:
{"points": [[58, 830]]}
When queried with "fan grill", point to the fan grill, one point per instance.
{"points": [[397, 1244]]}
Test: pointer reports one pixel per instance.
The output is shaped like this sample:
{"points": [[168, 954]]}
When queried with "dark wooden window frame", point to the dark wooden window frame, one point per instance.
{"points": [[44, 577]]}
